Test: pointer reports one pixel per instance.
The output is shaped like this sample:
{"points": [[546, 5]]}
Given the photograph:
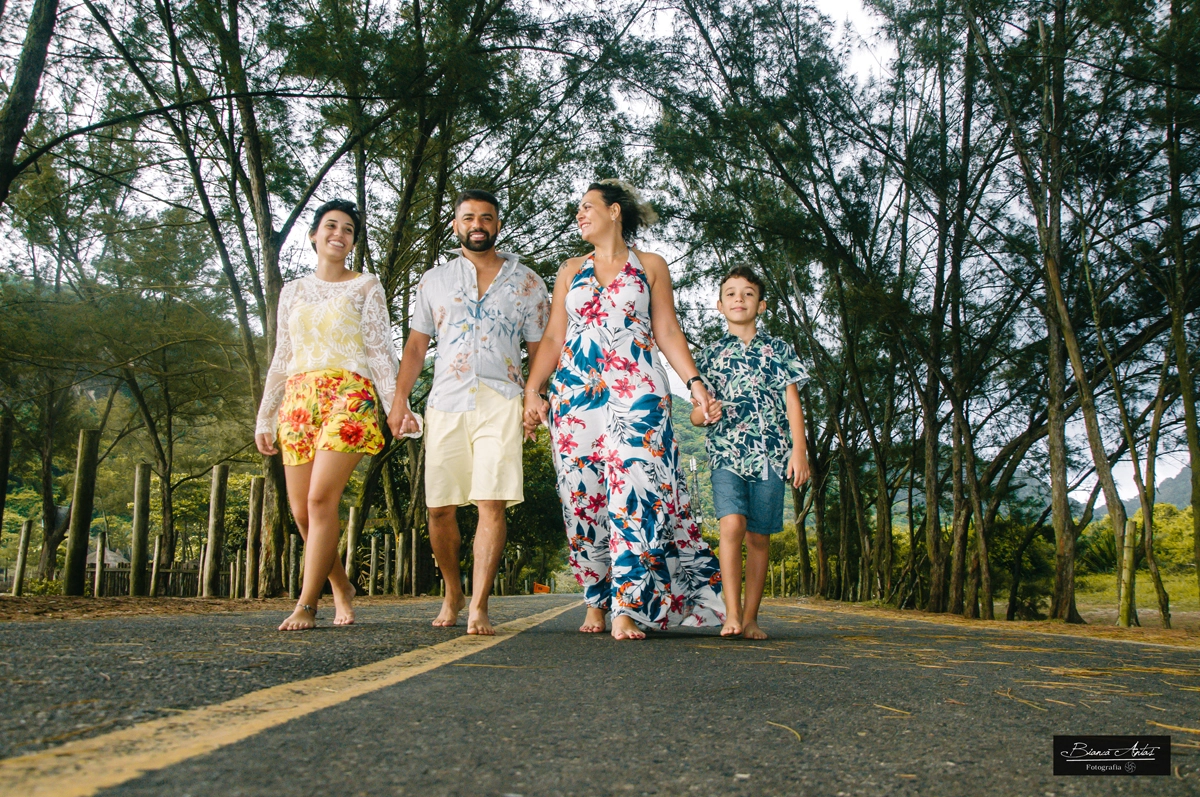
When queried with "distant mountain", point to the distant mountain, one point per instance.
{"points": [[1176, 490]]}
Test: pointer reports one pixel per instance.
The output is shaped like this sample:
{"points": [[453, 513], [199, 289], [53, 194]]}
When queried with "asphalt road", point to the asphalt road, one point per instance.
{"points": [[832, 704]]}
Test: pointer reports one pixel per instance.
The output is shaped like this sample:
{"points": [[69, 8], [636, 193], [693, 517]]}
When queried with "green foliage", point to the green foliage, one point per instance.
{"points": [[1097, 547], [39, 586]]}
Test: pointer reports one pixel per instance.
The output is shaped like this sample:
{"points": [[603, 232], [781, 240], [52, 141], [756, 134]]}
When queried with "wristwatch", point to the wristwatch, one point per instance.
{"points": [[696, 378]]}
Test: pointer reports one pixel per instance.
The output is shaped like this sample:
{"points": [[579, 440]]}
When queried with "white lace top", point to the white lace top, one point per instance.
{"points": [[330, 325]]}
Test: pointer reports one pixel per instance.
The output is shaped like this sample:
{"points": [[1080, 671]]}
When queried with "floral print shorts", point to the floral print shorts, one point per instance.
{"points": [[328, 410]]}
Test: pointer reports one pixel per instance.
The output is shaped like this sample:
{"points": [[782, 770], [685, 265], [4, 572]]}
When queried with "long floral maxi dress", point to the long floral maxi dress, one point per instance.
{"points": [[635, 547]]}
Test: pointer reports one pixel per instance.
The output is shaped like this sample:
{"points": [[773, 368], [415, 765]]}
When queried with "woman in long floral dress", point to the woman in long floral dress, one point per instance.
{"points": [[635, 546]]}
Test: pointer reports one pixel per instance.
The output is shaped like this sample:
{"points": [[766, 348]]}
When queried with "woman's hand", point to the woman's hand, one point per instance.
{"points": [[401, 419], [705, 401], [536, 413], [266, 444]]}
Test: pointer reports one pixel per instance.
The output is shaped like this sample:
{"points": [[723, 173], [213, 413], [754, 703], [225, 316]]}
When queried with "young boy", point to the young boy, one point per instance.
{"points": [[756, 379]]}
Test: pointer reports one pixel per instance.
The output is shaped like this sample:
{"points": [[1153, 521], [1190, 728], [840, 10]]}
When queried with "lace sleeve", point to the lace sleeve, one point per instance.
{"points": [[277, 374], [377, 340]]}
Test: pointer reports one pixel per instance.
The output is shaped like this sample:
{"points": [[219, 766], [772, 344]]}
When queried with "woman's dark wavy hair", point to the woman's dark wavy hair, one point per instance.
{"points": [[635, 213], [345, 206]]}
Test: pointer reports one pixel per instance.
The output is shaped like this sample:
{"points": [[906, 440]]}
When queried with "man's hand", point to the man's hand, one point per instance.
{"points": [[266, 444], [536, 413], [401, 419], [797, 469]]}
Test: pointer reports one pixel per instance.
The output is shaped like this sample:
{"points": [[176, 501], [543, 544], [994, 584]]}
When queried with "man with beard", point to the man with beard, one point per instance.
{"points": [[479, 306]]}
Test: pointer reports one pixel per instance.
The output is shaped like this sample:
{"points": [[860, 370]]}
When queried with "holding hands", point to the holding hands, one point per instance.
{"points": [[401, 419], [536, 413]]}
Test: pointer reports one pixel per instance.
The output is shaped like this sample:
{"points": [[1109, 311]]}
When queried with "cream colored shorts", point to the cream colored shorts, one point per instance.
{"points": [[475, 455]]}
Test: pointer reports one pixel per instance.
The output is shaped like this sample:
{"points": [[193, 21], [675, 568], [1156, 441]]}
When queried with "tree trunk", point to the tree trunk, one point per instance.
{"points": [[272, 578], [6, 445], [933, 521], [971, 599], [801, 510], [23, 91], [819, 500], [960, 525], [1181, 278], [1011, 613]]}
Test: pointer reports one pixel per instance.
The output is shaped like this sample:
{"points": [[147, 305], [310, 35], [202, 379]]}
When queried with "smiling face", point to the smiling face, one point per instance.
{"points": [[596, 219], [476, 224], [739, 301], [334, 237]]}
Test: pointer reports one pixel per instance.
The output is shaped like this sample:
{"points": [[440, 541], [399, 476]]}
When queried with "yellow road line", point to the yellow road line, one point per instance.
{"points": [[86, 766]]}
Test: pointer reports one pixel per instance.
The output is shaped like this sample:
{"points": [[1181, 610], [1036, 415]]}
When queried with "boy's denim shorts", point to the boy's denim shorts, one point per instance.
{"points": [[760, 500]]}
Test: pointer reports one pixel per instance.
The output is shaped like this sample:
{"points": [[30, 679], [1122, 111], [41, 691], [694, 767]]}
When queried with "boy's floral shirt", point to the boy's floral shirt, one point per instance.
{"points": [[751, 383], [478, 337]]}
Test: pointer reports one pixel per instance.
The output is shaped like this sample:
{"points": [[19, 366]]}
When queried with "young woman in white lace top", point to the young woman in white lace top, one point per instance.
{"points": [[334, 365]]}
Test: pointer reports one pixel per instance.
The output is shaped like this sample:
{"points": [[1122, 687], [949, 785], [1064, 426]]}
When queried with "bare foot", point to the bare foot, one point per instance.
{"points": [[752, 631], [299, 620], [594, 622], [343, 611], [624, 627], [732, 627], [448, 616], [479, 623]]}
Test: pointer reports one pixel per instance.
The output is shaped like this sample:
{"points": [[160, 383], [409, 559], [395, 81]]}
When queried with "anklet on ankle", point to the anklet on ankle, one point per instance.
{"points": [[310, 609]]}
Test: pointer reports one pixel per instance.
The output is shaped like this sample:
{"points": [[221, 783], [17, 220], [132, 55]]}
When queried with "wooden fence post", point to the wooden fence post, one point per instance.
{"points": [[1125, 611], [82, 502], [387, 563], [374, 559], [253, 536], [294, 566], [154, 566], [101, 547], [22, 557], [233, 575], [6, 444], [140, 532], [352, 545], [211, 574], [400, 541], [200, 569]]}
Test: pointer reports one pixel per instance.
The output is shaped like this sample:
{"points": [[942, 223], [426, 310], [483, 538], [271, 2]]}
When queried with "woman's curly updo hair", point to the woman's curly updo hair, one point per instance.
{"points": [[345, 206], [636, 213]]}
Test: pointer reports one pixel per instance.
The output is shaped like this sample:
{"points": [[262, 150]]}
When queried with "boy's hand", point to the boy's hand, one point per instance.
{"points": [[797, 469], [714, 408]]}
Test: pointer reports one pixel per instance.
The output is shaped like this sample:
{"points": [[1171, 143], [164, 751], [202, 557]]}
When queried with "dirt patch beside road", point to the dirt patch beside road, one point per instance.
{"points": [[1186, 635], [58, 607]]}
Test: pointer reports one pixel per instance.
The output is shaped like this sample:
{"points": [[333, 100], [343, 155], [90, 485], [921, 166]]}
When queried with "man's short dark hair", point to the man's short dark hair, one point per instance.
{"points": [[748, 274], [477, 195]]}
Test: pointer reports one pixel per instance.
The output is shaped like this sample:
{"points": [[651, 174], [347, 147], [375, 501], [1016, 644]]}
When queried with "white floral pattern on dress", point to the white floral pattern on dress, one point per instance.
{"points": [[634, 546]]}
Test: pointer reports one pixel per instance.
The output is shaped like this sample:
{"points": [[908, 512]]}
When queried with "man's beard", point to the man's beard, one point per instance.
{"points": [[477, 246]]}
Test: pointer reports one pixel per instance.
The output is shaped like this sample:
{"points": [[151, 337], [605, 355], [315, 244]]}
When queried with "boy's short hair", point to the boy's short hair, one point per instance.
{"points": [[746, 273], [477, 195]]}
